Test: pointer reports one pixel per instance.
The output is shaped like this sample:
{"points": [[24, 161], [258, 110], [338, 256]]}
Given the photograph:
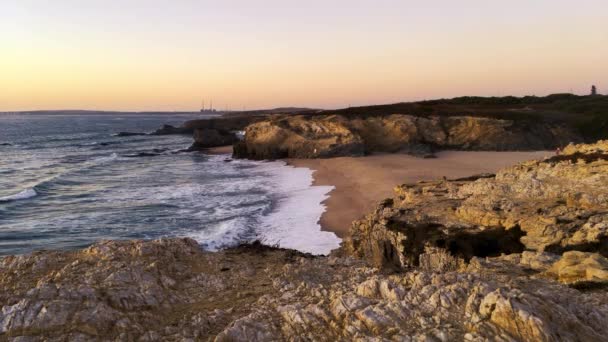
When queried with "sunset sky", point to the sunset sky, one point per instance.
{"points": [[168, 55]]}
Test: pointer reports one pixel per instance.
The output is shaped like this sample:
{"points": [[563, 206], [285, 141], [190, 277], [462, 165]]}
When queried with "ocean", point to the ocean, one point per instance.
{"points": [[67, 181]]}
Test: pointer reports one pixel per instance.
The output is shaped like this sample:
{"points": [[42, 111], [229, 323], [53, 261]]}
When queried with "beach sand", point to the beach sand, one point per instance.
{"points": [[360, 183]]}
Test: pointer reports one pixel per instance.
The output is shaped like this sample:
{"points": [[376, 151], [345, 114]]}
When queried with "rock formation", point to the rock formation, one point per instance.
{"points": [[205, 138], [553, 205], [516, 256], [322, 136], [171, 290], [218, 131], [169, 130], [299, 137]]}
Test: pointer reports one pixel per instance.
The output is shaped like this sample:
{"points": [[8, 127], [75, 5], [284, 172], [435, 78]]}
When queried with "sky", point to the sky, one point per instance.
{"points": [[170, 55]]}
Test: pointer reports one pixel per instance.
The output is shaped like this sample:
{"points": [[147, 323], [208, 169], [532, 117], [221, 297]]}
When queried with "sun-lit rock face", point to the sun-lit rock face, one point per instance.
{"points": [[552, 205], [324, 136], [171, 290]]}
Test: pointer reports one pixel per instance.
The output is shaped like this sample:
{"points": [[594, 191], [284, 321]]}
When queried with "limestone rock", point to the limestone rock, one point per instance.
{"points": [[580, 267], [171, 290], [321, 136], [553, 205], [298, 137]]}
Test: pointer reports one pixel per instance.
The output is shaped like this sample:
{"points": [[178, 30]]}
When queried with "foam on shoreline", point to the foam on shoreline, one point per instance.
{"points": [[295, 221]]}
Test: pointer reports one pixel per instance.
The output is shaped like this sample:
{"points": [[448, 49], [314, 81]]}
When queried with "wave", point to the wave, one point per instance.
{"points": [[42, 184], [289, 220], [101, 160], [25, 194], [295, 222]]}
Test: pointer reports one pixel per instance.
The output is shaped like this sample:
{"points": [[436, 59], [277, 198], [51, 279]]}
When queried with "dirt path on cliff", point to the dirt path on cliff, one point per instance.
{"points": [[361, 182]]}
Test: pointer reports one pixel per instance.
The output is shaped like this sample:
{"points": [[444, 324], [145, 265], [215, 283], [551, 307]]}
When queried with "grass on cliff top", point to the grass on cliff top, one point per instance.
{"points": [[587, 113]]}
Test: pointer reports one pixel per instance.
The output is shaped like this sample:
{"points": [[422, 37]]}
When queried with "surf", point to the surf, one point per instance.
{"points": [[23, 195]]}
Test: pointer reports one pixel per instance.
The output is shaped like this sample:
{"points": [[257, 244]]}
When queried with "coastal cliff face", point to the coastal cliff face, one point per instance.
{"points": [[554, 205], [516, 256], [325, 136]]}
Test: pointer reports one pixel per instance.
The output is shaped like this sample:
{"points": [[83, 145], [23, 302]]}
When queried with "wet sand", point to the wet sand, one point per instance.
{"points": [[361, 182]]}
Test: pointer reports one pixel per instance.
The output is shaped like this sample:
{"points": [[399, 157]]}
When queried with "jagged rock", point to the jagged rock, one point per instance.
{"points": [[298, 137], [579, 267], [552, 205], [169, 289], [169, 129], [206, 138], [321, 136]]}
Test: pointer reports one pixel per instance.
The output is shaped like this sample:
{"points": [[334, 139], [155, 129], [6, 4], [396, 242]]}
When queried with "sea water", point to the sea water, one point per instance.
{"points": [[67, 181]]}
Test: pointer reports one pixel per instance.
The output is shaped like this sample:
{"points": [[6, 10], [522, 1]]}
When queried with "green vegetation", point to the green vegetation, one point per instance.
{"points": [[589, 114]]}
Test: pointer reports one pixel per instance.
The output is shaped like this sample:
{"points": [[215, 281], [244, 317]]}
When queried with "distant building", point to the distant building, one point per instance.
{"points": [[209, 110], [593, 90]]}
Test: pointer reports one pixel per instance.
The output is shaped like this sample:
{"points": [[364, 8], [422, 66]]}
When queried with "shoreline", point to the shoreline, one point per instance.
{"points": [[361, 182]]}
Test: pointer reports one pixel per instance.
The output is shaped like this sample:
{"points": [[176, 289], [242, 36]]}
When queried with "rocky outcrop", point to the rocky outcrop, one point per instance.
{"points": [[206, 138], [170, 130], [217, 132], [171, 290], [299, 137], [579, 267], [323, 136], [554, 205]]}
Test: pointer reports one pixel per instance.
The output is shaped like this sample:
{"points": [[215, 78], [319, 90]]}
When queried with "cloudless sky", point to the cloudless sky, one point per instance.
{"points": [[168, 55]]}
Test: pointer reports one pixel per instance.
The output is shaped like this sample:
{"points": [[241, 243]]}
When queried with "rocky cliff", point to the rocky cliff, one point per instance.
{"points": [[170, 290], [322, 136], [516, 256], [554, 205]]}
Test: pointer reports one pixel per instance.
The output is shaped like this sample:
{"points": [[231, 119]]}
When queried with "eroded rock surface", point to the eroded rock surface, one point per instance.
{"points": [[553, 205], [324, 136], [171, 290]]}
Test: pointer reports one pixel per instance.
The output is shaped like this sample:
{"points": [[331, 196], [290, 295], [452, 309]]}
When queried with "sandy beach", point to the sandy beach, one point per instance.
{"points": [[361, 182]]}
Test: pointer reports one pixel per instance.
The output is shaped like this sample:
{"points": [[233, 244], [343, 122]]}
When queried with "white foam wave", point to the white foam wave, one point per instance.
{"points": [[25, 194], [226, 234], [295, 222], [105, 159], [292, 223]]}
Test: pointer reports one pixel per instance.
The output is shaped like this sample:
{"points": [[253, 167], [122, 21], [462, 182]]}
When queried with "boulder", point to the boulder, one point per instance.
{"points": [[576, 267]]}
